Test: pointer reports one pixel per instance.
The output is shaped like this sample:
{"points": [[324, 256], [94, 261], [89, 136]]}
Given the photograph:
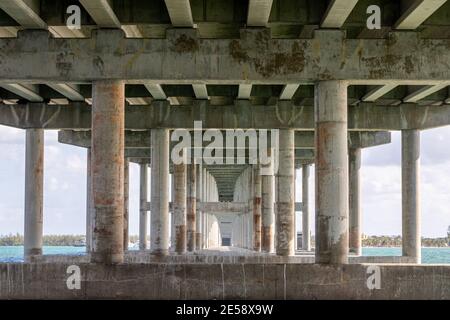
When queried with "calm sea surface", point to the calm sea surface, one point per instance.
{"points": [[429, 255]]}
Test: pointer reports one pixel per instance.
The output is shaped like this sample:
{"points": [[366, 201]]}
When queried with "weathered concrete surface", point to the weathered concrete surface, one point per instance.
{"points": [[143, 208], [254, 57], [285, 196], [411, 223], [306, 229], [257, 209], [126, 205], [34, 192], [244, 115], [355, 230], [179, 208], [191, 204], [331, 172], [159, 234], [108, 170], [224, 281]]}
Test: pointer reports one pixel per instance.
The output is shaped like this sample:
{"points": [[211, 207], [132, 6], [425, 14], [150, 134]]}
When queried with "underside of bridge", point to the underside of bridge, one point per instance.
{"points": [[207, 81]]}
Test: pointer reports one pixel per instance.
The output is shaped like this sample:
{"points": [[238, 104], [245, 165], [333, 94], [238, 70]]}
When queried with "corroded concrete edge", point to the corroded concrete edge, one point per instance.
{"points": [[224, 281]]}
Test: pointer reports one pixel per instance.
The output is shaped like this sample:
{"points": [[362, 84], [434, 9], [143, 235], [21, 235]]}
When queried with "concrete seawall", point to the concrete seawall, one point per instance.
{"points": [[224, 281]]}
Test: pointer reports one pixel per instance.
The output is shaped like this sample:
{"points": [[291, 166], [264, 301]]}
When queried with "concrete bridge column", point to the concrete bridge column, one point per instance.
{"points": [[191, 205], [159, 234], [126, 206], [354, 238], [179, 207], [257, 208], [108, 117], [204, 214], [88, 201], [331, 172], [143, 199], [198, 218], [268, 217], [306, 229], [411, 228], [285, 195], [34, 192]]}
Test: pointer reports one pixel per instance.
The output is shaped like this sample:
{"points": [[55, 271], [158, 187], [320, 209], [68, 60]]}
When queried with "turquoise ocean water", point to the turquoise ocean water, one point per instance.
{"points": [[429, 255]]}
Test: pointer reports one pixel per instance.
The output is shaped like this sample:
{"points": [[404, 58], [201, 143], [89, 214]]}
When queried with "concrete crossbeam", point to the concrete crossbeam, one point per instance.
{"points": [[200, 91], [244, 91], [28, 92], [25, 12], [156, 91], [337, 12], [289, 91], [244, 115], [70, 91], [101, 12], [378, 92], [417, 12], [424, 92], [258, 12], [303, 139], [182, 57], [180, 13]]}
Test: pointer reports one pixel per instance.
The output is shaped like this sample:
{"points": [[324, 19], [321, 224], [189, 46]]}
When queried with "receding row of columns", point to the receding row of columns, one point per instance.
{"points": [[337, 170]]}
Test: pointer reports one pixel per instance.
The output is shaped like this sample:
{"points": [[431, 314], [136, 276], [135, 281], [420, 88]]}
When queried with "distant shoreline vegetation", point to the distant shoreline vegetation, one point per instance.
{"points": [[77, 240]]}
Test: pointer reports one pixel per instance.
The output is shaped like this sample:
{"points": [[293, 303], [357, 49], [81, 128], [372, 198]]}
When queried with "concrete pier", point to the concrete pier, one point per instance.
{"points": [[159, 233], [285, 195], [306, 229], [268, 216], [198, 213], [126, 206], [191, 204], [143, 210], [331, 172], [179, 207], [108, 99], [354, 235], [89, 215], [257, 190], [34, 192], [411, 215]]}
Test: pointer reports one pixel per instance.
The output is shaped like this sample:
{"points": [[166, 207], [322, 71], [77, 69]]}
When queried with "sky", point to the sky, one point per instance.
{"points": [[65, 186]]}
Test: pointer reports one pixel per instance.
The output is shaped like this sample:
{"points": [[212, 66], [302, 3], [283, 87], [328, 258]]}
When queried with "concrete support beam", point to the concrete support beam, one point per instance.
{"points": [[179, 207], [411, 215], [378, 60], [424, 92], [71, 92], [289, 91], [198, 212], [257, 209], [159, 233], [268, 215], [378, 92], [34, 192], [126, 203], [156, 91], [337, 12], [245, 91], [364, 117], [89, 205], [143, 207], [258, 12], [191, 206], [28, 92], [101, 12], [180, 13], [417, 12], [355, 230], [108, 117], [331, 172], [25, 12], [285, 195], [200, 91], [306, 228]]}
